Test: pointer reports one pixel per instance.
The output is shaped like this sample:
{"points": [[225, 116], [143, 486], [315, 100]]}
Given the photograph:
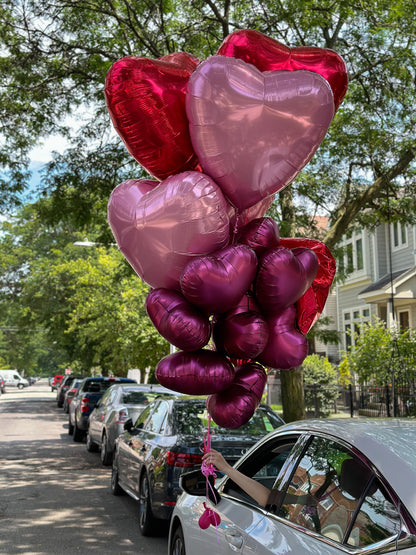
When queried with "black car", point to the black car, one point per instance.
{"points": [[166, 440], [89, 393], [63, 388]]}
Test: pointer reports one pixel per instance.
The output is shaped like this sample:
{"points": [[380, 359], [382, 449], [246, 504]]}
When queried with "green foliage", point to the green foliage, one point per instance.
{"points": [[321, 384], [379, 352]]}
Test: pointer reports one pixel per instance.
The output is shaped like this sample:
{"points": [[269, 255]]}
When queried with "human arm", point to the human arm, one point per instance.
{"points": [[254, 489]]}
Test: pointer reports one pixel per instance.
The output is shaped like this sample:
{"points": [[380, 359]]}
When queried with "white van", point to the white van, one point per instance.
{"points": [[13, 378]]}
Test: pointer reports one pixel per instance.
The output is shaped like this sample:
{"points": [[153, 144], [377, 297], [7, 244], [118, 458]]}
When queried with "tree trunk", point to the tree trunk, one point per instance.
{"points": [[293, 399]]}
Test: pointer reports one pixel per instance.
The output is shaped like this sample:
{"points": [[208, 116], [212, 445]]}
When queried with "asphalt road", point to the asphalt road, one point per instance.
{"points": [[55, 496]]}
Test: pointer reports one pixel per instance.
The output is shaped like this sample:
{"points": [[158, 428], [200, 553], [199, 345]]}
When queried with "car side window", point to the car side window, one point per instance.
{"points": [[143, 417], [325, 493], [157, 418]]}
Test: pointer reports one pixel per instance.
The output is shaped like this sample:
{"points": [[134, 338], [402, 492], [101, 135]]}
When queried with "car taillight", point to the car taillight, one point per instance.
{"points": [[84, 404], [184, 460], [122, 416]]}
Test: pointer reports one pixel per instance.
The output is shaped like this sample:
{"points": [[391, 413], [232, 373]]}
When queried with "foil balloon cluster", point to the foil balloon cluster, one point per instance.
{"points": [[220, 138]]}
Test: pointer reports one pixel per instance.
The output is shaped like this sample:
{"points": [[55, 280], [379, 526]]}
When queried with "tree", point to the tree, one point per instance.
{"points": [[320, 379], [55, 55]]}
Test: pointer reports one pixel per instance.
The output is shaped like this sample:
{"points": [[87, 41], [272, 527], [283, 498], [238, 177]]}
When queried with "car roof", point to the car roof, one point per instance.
{"points": [[390, 444]]}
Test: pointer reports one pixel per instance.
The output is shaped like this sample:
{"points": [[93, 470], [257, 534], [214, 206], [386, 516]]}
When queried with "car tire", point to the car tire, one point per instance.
{"points": [[116, 489], [147, 522], [92, 447], [70, 427], [66, 408], [177, 545], [106, 455], [20, 386], [78, 434]]}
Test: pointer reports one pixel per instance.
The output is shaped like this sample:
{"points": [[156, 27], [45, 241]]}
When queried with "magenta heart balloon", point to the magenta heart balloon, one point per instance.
{"points": [[261, 234], [199, 373], [233, 407], [160, 228], [283, 278], [252, 377], [252, 131], [217, 282], [241, 336], [177, 320], [287, 347]]}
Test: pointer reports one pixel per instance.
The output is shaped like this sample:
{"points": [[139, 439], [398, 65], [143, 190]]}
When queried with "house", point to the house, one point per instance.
{"points": [[381, 281]]}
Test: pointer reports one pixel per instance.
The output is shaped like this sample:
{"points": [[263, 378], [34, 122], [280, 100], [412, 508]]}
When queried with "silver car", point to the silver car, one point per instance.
{"points": [[119, 403], [337, 487]]}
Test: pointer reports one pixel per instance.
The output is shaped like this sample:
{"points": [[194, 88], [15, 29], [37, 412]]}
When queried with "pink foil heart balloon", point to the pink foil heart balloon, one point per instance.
{"points": [[252, 131], [233, 407], [199, 373], [287, 347], [146, 102], [159, 229], [252, 377], [261, 234], [283, 278], [177, 320], [217, 282], [241, 336]]}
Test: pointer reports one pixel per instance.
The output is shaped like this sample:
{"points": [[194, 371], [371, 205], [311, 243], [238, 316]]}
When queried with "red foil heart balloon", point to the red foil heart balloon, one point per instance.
{"points": [[268, 54], [159, 229], [253, 132], [216, 282], [146, 102], [283, 278], [311, 304], [287, 347], [233, 407], [181, 323], [199, 373]]}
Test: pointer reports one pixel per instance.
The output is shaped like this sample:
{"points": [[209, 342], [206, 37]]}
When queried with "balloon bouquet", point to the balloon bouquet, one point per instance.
{"points": [[222, 137]]}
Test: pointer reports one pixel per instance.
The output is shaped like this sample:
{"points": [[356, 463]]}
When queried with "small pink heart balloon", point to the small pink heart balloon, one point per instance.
{"points": [[252, 377], [161, 227], [261, 234], [241, 336], [233, 407], [198, 373], [283, 278], [216, 282], [287, 347], [253, 132], [181, 323]]}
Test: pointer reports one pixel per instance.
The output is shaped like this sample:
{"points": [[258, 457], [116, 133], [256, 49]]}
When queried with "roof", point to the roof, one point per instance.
{"points": [[385, 280]]}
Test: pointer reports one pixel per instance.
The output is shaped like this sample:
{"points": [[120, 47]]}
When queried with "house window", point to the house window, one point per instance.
{"points": [[353, 257], [404, 320], [352, 322], [398, 235]]}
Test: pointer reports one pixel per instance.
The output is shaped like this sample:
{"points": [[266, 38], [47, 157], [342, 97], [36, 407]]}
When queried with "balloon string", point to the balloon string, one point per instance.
{"points": [[209, 470], [235, 230]]}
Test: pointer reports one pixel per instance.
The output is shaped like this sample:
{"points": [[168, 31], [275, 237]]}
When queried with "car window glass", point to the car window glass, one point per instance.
{"points": [[325, 491], [131, 397], [143, 416], [377, 518], [104, 398], [157, 418]]}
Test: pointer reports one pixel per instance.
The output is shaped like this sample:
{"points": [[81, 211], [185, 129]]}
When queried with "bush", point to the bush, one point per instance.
{"points": [[320, 384]]}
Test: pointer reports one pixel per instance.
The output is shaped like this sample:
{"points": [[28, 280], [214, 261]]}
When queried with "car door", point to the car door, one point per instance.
{"points": [[97, 417], [329, 501]]}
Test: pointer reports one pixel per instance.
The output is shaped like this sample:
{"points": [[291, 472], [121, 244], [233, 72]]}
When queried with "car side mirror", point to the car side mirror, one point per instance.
{"points": [[128, 424], [194, 483]]}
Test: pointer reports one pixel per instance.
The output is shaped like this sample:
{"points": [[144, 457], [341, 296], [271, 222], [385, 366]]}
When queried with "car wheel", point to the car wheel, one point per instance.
{"points": [[92, 447], [106, 454], [147, 521], [177, 546], [66, 408], [78, 434], [70, 427], [116, 489], [20, 386]]}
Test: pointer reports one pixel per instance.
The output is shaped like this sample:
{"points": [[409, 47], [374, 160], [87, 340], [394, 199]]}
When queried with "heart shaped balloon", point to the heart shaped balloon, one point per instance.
{"points": [[311, 304], [287, 347], [146, 102], [283, 278], [159, 229], [199, 373], [233, 407], [252, 377], [253, 132], [241, 336], [268, 54], [216, 282], [261, 234], [177, 320]]}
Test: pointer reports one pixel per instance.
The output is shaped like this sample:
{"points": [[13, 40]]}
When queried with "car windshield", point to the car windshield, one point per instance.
{"points": [[192, 418], [131, 397]]}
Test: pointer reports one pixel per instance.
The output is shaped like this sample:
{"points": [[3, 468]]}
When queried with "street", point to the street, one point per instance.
{"points": [[54, 495]]}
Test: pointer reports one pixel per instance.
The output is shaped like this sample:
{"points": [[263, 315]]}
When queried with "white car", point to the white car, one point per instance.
{"points": [[340, 486]]}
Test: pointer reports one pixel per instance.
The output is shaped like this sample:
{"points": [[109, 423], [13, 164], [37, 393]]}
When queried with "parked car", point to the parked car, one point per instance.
{"points": [[13, 378], [167, 439], [69, 394], [89, 393], [63, 388], [2, 385], [119, 403], [56, 380], [360, 476]]}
